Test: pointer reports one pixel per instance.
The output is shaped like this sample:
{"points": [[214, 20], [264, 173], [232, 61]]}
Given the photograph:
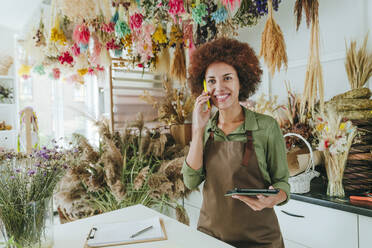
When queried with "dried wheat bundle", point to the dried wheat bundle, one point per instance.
{"points": [[358, 64], [178, 69], [272, 44], [310, 8], [314, 76]]}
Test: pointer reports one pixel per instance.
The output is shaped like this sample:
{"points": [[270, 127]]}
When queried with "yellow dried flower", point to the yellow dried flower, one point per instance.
{"points": [[82, 72], [342, 126], [159, 36], [320, 127]]}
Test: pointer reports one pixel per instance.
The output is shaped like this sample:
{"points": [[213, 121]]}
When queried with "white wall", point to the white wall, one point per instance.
{"points": [[338, 20]]}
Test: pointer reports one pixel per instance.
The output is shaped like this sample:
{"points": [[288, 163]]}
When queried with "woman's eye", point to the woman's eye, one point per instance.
{"points": [[211, 81], [228, 78]]}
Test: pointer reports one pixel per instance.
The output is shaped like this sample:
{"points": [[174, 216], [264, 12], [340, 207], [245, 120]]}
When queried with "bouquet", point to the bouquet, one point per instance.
{"points": [[335, 137]]}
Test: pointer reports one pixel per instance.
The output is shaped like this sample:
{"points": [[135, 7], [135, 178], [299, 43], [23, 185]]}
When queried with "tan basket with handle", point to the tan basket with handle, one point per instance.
{"points": [[301, 183]]}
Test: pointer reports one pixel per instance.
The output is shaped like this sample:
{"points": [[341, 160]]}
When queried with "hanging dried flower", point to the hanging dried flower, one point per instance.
{"points": [[56, 34], [272, 44], [66, 58], [82, 72], [111, 45], [108, 27], [81, 34], [311, 11], [75, 50], [55, 74], [159, 36], [314, 75], [220, 15], [136, 21], [232, 4], [39, 69], [198, 13], [176, 9]]}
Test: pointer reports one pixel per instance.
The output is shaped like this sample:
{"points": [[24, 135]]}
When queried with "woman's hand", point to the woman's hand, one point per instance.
{"points": [[260, 202], [200, 116]]}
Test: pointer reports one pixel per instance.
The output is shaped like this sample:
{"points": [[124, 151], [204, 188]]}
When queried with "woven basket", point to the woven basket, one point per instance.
{"points": [[301, 183]]}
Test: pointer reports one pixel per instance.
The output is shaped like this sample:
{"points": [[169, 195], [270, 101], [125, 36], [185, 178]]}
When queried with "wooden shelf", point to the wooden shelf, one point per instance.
{"points": [[6, 77], [7, 104]]}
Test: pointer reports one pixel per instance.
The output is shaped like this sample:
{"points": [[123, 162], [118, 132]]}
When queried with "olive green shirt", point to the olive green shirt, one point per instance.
{"points": [[268, 143]]}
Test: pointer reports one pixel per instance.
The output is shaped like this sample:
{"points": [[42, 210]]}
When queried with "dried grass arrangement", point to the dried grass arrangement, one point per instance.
{"points": [[263, 105], [273, 47], [133, 166], [314, 82], [310, 7], [178, 65], [175, 107], [358, 64], [289, 119], [5, 63]]}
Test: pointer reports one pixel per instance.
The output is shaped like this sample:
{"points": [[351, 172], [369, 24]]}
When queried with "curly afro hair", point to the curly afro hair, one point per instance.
{"points": [[230, 51]]}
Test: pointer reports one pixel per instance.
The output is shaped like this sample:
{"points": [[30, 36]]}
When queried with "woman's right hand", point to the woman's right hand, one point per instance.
{"points": [[200, 116]]}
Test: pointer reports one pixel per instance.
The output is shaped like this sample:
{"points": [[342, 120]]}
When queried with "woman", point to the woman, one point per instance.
{"points": [[236, 148]]}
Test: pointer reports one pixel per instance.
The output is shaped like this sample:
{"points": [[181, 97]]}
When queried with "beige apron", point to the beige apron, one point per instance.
{"points": [[228, 219]]}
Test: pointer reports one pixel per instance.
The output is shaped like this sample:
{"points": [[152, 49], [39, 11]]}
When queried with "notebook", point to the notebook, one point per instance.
{"points": [[120, 233]]}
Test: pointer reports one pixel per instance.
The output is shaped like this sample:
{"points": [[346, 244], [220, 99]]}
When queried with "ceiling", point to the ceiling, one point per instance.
{"points": [[14, 14]]}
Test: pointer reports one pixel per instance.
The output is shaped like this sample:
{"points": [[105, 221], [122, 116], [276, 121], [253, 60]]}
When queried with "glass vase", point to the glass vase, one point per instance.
{"points": [[335, 166], [28, 225]]}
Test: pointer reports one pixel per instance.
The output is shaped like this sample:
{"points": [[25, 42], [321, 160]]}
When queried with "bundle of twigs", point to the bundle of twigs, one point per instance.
{"points": [[358, 64], [314, 76], [272, 44]]}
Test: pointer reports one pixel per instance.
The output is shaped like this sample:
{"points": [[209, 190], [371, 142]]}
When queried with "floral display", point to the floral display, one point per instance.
{"points": [[335, 137], [26, 180], [86, 35]]}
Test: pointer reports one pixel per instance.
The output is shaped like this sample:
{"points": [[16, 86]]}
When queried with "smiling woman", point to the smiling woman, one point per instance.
{"points": [[235, 148]]}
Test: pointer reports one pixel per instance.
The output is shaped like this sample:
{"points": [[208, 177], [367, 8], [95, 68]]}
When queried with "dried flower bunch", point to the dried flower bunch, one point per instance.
{"points": [[273, 47], [136, 165], [263, 105], [314, 82], [335, 137], [358, 64], [289, 119], [6, 94], [175, 107]]}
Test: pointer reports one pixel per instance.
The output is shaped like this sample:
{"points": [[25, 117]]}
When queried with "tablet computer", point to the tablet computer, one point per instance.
{"points": [[252, 192]]}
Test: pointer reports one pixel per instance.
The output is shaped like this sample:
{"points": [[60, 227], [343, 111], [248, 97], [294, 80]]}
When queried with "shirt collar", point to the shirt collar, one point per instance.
{"points": [[250, 122]]}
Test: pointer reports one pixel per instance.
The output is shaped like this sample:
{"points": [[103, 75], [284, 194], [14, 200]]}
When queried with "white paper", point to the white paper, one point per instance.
{"points": [[116, 233]]}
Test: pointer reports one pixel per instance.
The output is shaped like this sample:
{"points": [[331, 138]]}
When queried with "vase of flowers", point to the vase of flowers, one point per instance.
{"points": [[27, 182], [335, 137]]}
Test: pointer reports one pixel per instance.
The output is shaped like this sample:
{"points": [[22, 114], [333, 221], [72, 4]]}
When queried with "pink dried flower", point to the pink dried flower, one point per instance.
{"points": [[75, 50], [81, 34], [176, 8], [56, 73], [111, 45], [90, 71], [136, 21], [108, 27]]}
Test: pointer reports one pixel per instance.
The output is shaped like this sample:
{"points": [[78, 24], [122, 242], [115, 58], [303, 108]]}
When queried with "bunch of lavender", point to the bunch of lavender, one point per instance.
{"points": [[250, 11], [26, 182]]}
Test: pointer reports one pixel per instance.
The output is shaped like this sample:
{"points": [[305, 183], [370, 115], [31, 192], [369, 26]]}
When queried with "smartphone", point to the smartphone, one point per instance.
{"points": [[252, 192]]}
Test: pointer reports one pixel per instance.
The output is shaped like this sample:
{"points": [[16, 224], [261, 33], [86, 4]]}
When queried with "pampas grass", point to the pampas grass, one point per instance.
{"points": [[272, 44], [314, 75], [358, 64]]}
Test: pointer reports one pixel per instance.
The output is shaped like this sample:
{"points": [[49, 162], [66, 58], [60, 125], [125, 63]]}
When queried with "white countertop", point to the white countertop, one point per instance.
{"points": [[73, 234]]}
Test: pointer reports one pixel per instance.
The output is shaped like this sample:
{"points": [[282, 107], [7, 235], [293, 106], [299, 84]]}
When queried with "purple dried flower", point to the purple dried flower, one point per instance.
{"points": [[31, 172], [12, 177], [18, 170]]}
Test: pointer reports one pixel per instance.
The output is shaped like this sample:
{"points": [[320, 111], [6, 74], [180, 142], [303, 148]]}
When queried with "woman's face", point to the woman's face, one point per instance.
{"points": [[223, 85]]}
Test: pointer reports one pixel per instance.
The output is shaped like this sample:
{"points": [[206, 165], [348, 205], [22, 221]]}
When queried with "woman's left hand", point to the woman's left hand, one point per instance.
{"points": [[260, 202]]}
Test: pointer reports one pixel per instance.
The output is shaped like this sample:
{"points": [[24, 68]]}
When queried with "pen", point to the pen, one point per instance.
{"points": [[141, 231], [205, 90]]}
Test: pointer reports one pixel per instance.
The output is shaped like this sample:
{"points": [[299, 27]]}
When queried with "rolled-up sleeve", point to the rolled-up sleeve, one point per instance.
{"points": [[277, 160], [192, 178]]}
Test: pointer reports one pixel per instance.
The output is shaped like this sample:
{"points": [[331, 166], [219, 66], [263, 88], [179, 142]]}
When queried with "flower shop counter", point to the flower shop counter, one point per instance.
{"points": [[74, 234], [318, 196]]}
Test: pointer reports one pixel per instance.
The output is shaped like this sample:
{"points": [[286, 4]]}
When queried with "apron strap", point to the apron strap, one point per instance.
{"points": [[248, 148]]}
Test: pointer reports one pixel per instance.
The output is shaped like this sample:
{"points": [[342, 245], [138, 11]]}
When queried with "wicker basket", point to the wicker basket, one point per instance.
{"points": [[5, 64], [301, 183]]}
